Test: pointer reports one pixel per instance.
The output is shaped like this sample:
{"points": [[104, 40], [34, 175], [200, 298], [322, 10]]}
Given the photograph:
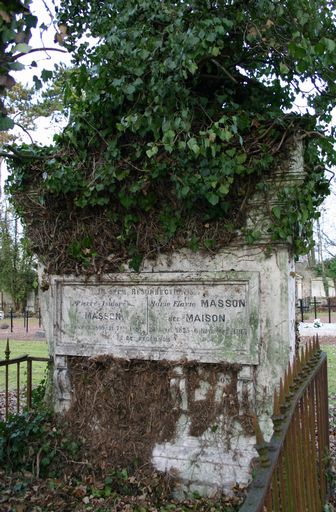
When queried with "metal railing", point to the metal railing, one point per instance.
{"points": [[292, 475], [20, 394], [25, 316], [308, 304]]}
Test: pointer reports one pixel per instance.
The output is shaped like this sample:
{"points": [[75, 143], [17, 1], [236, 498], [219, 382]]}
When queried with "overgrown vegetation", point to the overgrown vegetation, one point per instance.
{"points": [[178, 112], [42, 466]]}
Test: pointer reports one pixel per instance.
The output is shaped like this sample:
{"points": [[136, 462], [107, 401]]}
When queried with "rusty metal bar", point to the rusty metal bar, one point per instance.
{"points": [[7, 355], [306, 450], [282, 472], [29, 383], [276, 491], [17, 388], [6, 393], [293, 476], [312, 445], [13, 360], [319, 436]]}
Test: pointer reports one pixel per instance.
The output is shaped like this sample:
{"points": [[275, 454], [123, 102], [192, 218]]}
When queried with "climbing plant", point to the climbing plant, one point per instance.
{"points": [[178, 112]]}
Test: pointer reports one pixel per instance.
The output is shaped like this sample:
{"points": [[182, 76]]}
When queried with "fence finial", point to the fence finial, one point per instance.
{"points": [[261, 446], [279, 400], [276, 402], [7, 351]]}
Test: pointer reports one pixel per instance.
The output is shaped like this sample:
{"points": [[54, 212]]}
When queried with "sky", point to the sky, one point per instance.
{"points": [[47, 128]]}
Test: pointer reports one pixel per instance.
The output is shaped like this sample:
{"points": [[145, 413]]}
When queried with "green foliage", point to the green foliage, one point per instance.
{"points": [[17, 274], [16, 22], [178, 112], [27, 440], [329, 268]]}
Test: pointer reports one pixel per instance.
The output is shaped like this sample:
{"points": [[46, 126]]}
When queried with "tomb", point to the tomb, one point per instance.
{"points": [[170, 364]]}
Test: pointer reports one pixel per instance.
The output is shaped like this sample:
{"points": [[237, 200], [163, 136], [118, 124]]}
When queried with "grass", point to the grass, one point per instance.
{"points": [[19, 348], [330, 350]]}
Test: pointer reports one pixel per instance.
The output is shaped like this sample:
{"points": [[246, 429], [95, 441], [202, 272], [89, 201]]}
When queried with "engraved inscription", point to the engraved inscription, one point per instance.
{"points": [[206, 321]]}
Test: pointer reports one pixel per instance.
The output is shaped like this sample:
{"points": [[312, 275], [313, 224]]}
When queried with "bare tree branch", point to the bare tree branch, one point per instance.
{"points": [[39, 50]]}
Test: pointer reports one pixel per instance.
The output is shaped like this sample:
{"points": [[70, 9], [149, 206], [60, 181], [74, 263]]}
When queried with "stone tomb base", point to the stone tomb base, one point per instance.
{"points": [[168, 366], [191, 421]]}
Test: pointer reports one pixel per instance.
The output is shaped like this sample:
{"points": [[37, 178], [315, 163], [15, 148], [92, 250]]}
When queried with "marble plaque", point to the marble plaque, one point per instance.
{"points": [[208, 317]]}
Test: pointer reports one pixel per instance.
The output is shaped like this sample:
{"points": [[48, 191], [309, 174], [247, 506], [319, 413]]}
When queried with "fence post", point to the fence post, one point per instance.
{"points": [[301, 309], [11, 319], [29, 382], [329, 310], [315, 307], [27, 316], [7, 354]]}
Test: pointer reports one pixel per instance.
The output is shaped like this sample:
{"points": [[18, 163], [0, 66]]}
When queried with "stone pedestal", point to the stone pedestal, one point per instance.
{"points": [[235, 308]]}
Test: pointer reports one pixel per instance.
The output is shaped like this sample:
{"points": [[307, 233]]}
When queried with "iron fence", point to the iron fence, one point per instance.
{"points": [[25, 316], [20, 393], [292, 475], [313, 304]]}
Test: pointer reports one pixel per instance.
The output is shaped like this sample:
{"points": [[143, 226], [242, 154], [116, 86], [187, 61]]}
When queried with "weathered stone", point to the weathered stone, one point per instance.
{"points": [[131, 315], [203, 316]]}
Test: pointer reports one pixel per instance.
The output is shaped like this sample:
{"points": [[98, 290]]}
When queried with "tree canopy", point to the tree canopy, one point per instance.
{"points": [[178, 111], [17, 273]]}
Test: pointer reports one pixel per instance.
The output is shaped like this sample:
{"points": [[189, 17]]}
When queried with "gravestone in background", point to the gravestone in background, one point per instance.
{"points": [[221, 326]]}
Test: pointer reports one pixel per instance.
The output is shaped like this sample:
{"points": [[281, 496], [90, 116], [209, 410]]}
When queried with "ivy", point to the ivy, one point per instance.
{"points": [[177, 114]]}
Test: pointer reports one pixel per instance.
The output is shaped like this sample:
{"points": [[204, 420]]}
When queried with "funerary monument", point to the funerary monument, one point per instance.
{"points": [[181, 355]]}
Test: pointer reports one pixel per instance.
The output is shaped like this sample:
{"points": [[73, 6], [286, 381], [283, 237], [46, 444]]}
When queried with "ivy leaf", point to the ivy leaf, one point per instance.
{"points": [[46, 75], [212, 198], [241, 158], [276, 212], [185, 190], [224, 189], [215, 51], [192, 144], [152, 151], [330, 44], [37, 82], [225, 134], [6, 123], [16, 66], [22, 48], [283, 68], [130, 89], [168, 137], [126, 200]]}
